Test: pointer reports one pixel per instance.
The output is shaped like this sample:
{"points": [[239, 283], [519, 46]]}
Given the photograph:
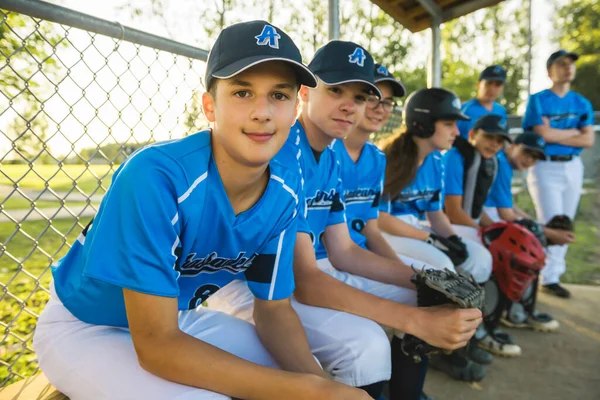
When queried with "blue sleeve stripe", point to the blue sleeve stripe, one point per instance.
{"points": [[276, 268], [286, 187], [191, 189]]}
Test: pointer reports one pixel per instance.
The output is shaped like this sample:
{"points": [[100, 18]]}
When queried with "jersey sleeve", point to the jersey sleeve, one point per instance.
{"points": [[587, 118], [271, 275], [500, 195], [337, 212], [533, 113], [385, 204], [453, 173], [379, 172], [436, 174], [132, 240]]}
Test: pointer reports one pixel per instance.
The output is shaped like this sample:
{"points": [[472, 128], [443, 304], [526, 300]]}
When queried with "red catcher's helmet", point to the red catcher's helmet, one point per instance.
{"points": [[518, 257]]}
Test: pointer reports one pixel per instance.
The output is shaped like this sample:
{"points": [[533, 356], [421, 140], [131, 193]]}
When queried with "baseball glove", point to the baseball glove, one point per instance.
{"points": [[534, 227], [561, 222], [435, 288], [453, 247]]}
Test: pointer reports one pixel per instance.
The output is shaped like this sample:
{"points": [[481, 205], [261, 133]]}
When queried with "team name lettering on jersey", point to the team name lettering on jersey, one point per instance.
{"points": [[213, 263], [362, 195], [322, 199]]}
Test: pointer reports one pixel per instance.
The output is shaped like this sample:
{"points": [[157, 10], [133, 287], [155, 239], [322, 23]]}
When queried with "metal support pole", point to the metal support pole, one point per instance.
{"points": [[334, 19], [54, 13], [529, 47], [434, 72]]}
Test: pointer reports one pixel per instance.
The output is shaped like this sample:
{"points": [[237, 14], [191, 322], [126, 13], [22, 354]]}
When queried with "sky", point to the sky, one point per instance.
{"points": [[165, 90]]}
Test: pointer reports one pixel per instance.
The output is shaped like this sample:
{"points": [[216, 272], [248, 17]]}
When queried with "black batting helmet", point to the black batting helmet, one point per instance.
{"points": [[426, 106]]}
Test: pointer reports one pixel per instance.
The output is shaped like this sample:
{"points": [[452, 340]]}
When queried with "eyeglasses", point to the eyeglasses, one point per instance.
{"points": [[373, 102]]}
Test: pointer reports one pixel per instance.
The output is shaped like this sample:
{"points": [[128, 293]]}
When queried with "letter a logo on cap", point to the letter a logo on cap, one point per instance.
{"points": [[383, 71], [268, 37], [358, 57]]}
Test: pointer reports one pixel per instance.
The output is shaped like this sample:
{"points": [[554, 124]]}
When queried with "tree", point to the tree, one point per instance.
{"points": [[27, 56], [463, 60], [578, 26]]}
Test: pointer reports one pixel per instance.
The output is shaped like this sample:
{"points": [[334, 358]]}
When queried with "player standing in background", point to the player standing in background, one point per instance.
{"points": [[413, 191], [489, 88], [565, 120], [181, 219]]}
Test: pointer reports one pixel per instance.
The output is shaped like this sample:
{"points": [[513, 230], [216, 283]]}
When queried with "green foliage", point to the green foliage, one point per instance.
{"points": [[27, 47], [91, 179], [578, 24], [32, 249], [463, 59]]}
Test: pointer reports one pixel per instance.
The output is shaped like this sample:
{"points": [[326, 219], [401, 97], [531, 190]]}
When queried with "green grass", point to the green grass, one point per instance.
{"points": [[60, 179], [583, 257], [20, 203], [35, 247]]}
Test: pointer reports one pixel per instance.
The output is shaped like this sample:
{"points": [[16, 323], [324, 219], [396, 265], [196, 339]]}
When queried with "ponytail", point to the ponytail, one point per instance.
{"points": [[401, 154]]}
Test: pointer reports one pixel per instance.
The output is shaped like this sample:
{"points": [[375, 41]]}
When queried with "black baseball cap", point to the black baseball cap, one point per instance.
{"points": [[244, 45], [560, 54], [533, 142], [383, 75], [493, 73], [493, 124], [340, 62]]}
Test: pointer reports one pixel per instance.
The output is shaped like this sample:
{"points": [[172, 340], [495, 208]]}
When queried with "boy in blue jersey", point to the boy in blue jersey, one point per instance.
{"points": [[181, 219], [565, 120], [527, 149], [489, 88], [363, 167], [470, 170]]}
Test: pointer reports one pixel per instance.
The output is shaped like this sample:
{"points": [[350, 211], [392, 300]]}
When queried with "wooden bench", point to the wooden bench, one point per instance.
{"points": [[35, 387]]}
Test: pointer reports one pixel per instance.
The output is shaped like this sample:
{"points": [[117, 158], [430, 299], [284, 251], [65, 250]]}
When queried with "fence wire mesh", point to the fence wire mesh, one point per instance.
{"points": [[74, 105]]}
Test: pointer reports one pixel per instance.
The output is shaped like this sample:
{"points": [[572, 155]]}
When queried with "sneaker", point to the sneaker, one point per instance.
{"points": [[557, 290], [500, 344], [458, 367], [537, 321], [425, 397]]}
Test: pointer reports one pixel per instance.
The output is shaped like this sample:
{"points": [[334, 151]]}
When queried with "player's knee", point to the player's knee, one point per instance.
{"points": [[482, 264], [367, 357]]}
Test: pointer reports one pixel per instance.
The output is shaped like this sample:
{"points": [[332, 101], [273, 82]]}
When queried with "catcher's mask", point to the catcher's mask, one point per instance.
{"points": [[518, 257]]}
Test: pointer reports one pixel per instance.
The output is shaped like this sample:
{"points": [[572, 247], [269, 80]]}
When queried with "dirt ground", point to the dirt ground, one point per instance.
{"points": [[564, 365]]}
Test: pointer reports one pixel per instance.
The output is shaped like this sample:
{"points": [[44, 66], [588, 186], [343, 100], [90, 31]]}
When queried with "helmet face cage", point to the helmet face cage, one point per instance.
{"points": [[518, 257]]}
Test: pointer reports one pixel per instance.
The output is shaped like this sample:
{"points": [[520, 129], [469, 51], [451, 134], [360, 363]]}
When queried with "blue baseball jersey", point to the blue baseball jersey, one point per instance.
{"points": [[500, 195], [363, 185], [423, 194], [573, 111], [475, 110], [454, 172], [322, 188], [166, 228]]}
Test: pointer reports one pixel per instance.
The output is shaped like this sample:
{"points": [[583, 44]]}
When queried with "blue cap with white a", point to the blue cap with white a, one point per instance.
{"points": [[340, 62], [244, 45]]}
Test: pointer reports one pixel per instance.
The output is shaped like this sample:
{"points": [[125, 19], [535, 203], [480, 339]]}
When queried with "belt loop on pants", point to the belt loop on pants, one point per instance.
{"points": [[562, 158]]}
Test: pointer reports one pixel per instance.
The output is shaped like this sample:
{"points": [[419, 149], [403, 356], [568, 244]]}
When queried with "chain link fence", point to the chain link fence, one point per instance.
{"points": [[74, 104]]}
